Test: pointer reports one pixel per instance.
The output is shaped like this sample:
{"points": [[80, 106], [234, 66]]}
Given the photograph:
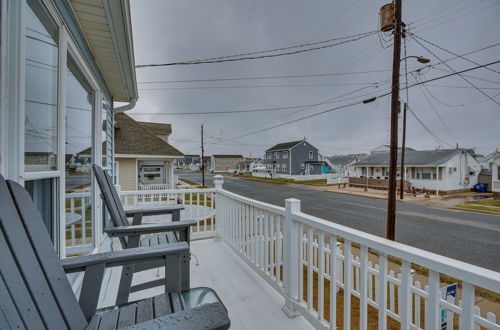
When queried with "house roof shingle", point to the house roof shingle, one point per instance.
{"points": [[344, 159], [157, 128], [133, 138], [284, 146], [412, 158], [227, 156]]}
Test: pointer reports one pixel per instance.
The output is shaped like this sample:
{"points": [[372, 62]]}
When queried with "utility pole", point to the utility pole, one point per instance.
{"points": [[403, 146], [202, 162], [393, 162]]}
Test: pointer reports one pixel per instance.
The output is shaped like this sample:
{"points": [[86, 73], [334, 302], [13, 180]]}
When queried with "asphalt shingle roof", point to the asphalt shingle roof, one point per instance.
{"points": [[133, 138], [345, 159], [284, 146], [412, 158], [228, 156], [157, 128]]}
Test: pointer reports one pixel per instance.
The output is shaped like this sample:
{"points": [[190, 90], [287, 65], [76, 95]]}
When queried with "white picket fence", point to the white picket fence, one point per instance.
{"points": [[296, 253]]}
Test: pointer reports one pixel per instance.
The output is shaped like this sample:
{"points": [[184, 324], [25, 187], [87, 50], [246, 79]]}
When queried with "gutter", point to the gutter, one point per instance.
{"points": [[126, 107]]}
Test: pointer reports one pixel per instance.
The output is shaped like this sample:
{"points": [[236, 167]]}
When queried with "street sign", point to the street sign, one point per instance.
{"points": [[447, 291]]}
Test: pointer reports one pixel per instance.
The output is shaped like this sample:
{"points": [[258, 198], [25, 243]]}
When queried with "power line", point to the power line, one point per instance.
{"points": [[436, 137], [449, 51], [356, 103], [231, 59], [459, 74]]}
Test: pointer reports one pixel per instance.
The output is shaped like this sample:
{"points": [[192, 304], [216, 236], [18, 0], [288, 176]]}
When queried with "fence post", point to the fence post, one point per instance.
{"points": [[219, 216], [291, 252]]}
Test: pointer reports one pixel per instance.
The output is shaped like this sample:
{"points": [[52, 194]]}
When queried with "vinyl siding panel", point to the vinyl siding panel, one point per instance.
{"points": [[127, 173]]}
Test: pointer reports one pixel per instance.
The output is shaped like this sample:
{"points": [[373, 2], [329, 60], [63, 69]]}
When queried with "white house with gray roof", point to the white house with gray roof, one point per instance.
{"points": [[438, 170], [495, 175], [343, 165]]}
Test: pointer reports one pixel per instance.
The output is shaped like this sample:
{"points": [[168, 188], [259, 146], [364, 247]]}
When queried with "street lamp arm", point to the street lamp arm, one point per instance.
{"points": [[419, 59]]}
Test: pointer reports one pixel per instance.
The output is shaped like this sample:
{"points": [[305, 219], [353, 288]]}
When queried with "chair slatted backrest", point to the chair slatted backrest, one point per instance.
{"points": [[111, 200], [29, 267]]}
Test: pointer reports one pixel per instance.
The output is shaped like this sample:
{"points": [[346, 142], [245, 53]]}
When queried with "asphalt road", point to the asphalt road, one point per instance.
{"points": [[467, 236]]}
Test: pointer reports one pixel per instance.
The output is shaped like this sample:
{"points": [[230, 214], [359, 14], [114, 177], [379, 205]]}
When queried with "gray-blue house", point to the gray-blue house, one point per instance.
{"points": [[293, 158]]}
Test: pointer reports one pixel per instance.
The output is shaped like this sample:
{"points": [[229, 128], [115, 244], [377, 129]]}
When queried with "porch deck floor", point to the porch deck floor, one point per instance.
{"points": [[252, 303]]}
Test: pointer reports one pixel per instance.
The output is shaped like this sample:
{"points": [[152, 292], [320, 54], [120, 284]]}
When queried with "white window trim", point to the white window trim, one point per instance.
{"points": [[311, 154]]}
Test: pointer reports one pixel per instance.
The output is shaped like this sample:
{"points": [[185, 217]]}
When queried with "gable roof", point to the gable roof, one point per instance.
{"points": [[157, 128], [345, 159], [412, 157], [133, 138], [227, 156], [284, 145]]}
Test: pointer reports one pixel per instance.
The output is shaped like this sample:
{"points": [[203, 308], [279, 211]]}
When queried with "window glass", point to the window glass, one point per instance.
{"points": [[310, 155], [285, 154], [42, 192], [498, 173], [78, 145], [40, 90]]}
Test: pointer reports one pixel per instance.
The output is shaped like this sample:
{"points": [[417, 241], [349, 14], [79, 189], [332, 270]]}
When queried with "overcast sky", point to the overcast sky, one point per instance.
{"points": [[181, 30]]}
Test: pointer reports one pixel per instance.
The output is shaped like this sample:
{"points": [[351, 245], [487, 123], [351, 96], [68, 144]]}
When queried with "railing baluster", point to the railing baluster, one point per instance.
{"points": [[266, 241], [417, 305], [370, 281], [382, 292], [252, 234], [467, 319], [432, 312], [301, 264], [72, 208], [310, 257], [321, 275], [334, 271], [347, 284], [363, 307], [404, 306], [392, 294], [84, 221], [279, 254]]}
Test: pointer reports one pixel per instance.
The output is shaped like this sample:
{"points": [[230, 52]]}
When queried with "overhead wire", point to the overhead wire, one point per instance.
{"points": [[230, 58], [459, 74]]}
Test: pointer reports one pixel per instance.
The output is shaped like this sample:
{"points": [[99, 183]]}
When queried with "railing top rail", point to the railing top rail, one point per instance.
{"points": [[482, 277], [166, 191], [79, 194], [265, 206]]}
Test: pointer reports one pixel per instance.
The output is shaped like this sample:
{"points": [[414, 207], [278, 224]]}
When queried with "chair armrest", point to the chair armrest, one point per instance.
{"points": [[123, 257], [152, 228], [154, 211], [210, 316]]}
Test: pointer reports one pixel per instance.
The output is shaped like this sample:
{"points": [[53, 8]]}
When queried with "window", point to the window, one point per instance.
{"points": [[269, 155], [284, 167], [79, 149], [42, 192], [311, 155], [285, 154], [276, 155], [311, 167], [426, 173], [302, 166], [41, 73], [498, 172]]}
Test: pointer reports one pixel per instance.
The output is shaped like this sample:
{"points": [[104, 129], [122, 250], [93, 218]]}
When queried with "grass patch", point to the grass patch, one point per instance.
{"points": [[479, 208], [488, 202]]}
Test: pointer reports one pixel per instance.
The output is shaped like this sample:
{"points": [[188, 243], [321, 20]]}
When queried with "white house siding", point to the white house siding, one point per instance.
{"points": [[450, 176], [127, 173]]}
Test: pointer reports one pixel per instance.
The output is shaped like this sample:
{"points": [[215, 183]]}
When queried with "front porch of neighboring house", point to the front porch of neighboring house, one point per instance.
{"points": [[145, 174], [278, 268]]}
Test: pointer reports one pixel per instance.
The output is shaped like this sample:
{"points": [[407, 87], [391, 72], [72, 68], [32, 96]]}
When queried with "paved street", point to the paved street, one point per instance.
{"points": [[467, 236]]}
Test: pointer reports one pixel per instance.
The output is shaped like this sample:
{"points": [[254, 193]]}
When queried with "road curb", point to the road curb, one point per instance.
{"points": [[265, 181], [352, 194]]}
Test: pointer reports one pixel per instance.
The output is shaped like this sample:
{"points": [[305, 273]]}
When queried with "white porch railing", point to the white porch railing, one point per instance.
{"points": [[199, 205], [156, 186], [325, 270], [79, 231]]}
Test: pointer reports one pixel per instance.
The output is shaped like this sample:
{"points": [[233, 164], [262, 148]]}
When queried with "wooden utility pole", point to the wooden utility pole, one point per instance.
{"points": [[393, 162], [202, 162], [403, 146]]}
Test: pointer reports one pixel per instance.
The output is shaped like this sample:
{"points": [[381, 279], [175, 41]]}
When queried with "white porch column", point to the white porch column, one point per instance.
{"points": [[172, 175], [292, 268]]}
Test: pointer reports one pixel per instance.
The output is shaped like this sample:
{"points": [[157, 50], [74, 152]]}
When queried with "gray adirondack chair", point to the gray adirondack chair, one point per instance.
{"points": [[36, 294], [131, 236]]}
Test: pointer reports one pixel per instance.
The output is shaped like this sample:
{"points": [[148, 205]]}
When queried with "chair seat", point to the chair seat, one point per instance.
{"points": [[165, 311], [159, 239]]}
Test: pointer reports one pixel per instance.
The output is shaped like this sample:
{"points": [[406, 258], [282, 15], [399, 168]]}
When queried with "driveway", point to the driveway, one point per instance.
{"points": [[466, 236]]}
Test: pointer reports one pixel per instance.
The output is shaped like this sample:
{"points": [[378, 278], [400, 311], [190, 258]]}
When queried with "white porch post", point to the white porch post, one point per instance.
{"points": [[219, 218], [291, 264], [172, 177]]}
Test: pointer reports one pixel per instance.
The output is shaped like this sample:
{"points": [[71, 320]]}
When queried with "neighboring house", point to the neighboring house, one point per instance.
{"points": [[293, 158], [64, 66], [143, 158], [343, 165], [387, 148], [248, 165], [224, 163], [436, 170], [495, 174], [189, 162], [488, 160]]}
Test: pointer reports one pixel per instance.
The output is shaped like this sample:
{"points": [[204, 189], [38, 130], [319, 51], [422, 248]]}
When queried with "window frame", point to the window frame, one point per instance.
{"points": [[311, 154]]}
